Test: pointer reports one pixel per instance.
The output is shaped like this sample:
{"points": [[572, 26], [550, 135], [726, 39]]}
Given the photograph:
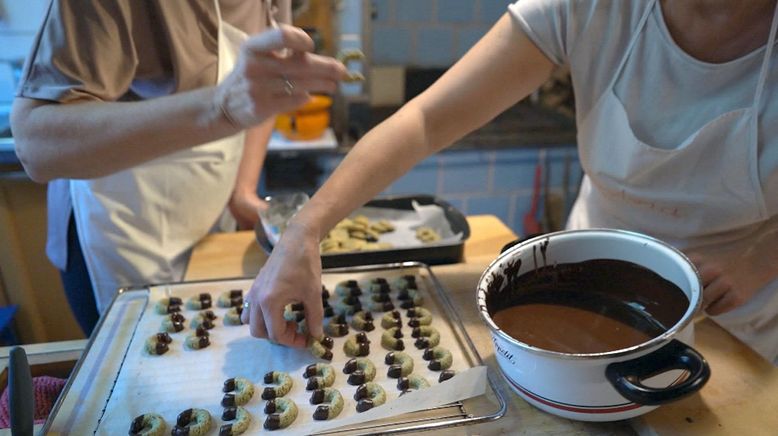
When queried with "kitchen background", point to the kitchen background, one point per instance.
{"points": [[522, 167]]}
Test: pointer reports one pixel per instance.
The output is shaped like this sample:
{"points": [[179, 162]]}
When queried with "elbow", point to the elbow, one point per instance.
{"points": [[422, 119], [36, 170], [32, 159]]}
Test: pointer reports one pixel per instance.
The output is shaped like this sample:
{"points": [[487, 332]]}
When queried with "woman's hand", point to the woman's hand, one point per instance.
{"points": [[265, 82], [732, 276], [292, 274], [245, 207]]}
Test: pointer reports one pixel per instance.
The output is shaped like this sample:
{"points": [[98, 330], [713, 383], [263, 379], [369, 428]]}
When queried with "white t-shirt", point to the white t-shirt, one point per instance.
{"points": [[668, 95]]}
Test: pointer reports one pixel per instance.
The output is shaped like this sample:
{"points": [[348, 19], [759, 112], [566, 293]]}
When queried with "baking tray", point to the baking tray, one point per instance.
{"points": [[431, 254], [96, 378]]}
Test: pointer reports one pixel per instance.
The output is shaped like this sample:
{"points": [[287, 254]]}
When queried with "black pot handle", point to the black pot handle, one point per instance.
{"points": [[627, 376]]}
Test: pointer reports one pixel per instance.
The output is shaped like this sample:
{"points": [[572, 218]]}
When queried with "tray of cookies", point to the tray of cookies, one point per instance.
{"points": [[421, 228], [175, 358]]}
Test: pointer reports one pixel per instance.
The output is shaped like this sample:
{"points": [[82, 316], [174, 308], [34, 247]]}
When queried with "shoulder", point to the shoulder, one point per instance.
{"points": [[574, 21]]}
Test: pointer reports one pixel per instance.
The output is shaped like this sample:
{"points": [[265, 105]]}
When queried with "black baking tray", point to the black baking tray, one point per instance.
{"points": [[432, 254]]}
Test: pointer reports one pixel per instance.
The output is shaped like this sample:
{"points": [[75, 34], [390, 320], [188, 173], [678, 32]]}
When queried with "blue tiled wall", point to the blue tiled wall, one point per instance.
{"points": [[429, 33], [19, 21], [495, 182]]}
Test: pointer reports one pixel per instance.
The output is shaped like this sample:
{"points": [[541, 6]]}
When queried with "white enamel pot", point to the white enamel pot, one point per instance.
{"points": [[607, 386]]}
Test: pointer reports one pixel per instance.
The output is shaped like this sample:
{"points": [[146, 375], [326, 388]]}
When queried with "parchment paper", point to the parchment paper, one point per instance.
{"points": [[182, 378], [405, 221]]}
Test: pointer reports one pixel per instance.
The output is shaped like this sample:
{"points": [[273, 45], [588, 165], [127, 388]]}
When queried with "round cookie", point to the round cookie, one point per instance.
{"points": [[348, 288], [419, 316], [194, 342], [369, 395], [404, 282], [400, 364], [412, 382], [232, 317], [426, 337], [427, 234], [241, 419], [359, 370], [157, 344], [410, 298], [281, 413], [377, 285], [294, 312], [380, 303], [148, 424], [347, 306], [192, 422], [319, 375], [440, 358], [203, 319], [330, 403], [283, 381], [199, 302], [391, 319], [336, 326], [237, 391], [232, 298], [357, 345], [168, 305], [173, 323], [363, 321], [382, 226], [390, 339], [321, 347]]}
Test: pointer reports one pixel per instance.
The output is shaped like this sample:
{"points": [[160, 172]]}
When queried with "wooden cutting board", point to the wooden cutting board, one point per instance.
{"points": [[741, 397]]}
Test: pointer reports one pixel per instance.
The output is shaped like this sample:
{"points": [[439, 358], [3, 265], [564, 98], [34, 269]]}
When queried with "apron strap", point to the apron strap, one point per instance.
{"points": [[641, 24], [218, 11], [766, 62]]}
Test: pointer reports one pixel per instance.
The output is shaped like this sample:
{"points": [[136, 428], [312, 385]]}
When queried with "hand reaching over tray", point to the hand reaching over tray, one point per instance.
{"points": [[291, 275]]}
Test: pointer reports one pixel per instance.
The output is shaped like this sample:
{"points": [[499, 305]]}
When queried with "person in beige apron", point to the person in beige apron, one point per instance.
{"points": [[151, 160], [141, 223], [677, 194]]}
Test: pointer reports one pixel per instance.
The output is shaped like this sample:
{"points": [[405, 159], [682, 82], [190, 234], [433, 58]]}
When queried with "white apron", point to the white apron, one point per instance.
{"points": [[139, 225], [687, 195]]}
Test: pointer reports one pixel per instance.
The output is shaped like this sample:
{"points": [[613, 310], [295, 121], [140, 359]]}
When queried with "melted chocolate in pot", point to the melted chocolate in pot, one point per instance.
{"points": [[587, 307]]}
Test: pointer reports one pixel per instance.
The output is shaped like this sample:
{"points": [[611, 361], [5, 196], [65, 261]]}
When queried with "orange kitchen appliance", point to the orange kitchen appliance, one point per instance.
{"points": [[307, 122]]}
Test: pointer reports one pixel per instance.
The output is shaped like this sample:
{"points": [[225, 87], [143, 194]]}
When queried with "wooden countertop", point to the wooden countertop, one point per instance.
{"points": [[740, 397]]}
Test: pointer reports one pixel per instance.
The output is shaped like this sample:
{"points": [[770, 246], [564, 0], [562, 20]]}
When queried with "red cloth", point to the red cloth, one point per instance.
{"points": [[45, 389]]}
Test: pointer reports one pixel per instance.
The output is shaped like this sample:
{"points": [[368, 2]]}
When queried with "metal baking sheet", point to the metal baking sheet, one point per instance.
{"points": [[113, 377], [432, 254]]}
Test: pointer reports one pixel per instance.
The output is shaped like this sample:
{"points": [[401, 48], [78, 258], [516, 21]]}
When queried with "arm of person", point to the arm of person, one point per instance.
{"points": [[244, 203], [501, 69], [92, 139]]}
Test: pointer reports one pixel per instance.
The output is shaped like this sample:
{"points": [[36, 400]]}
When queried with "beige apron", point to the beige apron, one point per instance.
{"points": [[139, 225], [690, 194]]}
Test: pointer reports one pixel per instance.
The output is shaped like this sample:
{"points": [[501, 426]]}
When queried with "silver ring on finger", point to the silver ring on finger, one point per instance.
{"points": [[246, 311], [288, 86]]}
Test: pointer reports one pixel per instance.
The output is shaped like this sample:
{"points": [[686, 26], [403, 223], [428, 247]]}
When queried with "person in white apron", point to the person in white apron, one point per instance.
{"points": [[676, 194], [138, 224], [702, 193]]}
